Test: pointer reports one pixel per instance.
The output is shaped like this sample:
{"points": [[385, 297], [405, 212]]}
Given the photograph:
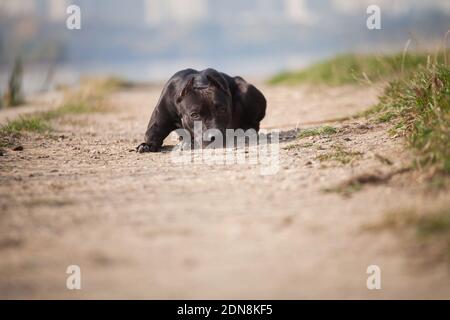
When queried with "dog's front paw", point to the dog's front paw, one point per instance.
{"points": [[145, 147]]}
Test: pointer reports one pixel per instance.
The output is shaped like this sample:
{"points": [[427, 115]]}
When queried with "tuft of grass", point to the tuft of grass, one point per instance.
{"points": [[340, 154], [435, 224], [357, 182], [419, 109], [39, 122], [88, 98], [34, 123], [76, 105], [431, 227], [78, 102], [322, 131], [298, 145], [353, 68], [103, 85], [386, 117], [10, 131], [345, 190], [369, 112]]}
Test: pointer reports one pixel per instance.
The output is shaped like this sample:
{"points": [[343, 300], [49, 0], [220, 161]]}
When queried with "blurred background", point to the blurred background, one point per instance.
{"points": [[149, 40]]}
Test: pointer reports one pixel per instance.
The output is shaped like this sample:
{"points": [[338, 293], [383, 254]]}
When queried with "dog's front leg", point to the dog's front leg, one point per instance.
{"points": [[161, 124]]}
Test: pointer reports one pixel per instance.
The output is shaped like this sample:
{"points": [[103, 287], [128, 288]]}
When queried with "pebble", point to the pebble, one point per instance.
{"points": [[18, 148]]}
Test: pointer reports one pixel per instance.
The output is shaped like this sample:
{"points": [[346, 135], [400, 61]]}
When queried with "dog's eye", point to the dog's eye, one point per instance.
{"points": [[195, 115], [221, 109]]}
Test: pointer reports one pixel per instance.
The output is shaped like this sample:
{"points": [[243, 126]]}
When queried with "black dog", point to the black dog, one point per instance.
{"points": [[214, 98]]}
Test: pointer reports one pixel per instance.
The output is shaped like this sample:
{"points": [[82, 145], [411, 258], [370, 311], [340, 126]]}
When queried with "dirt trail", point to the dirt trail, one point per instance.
{"points": [[140, 226]]}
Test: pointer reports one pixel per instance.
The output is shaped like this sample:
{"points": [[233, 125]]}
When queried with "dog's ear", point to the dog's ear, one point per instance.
{"points": [[218, 84], [186, 89]]}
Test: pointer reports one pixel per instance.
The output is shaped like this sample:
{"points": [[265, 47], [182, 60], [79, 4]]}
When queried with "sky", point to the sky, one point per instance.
{"points": [[151, 39]]}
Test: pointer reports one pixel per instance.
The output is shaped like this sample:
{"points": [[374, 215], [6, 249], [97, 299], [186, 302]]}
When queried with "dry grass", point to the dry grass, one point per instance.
{"points": [[88, 98], [354, 68], [321, 131], [340, 154], [419, 109], [431, 228]]}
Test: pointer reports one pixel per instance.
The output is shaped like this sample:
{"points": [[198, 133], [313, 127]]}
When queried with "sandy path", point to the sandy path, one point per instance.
{"points": [[140, 226]]}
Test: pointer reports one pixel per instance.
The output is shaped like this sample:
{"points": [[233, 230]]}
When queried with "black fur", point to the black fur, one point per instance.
{"points": [[218, 100]]}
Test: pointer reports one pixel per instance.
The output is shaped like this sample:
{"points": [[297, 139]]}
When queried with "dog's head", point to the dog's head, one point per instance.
{"points": [[205, 98]]}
